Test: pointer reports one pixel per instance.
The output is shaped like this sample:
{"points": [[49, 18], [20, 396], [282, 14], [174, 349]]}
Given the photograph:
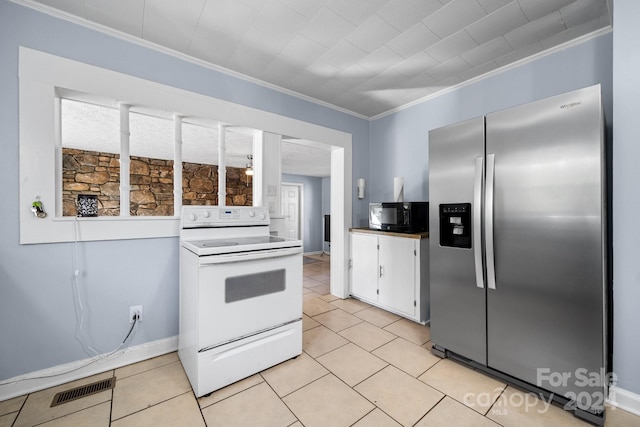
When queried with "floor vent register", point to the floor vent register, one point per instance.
{"points": [[83, 391]]}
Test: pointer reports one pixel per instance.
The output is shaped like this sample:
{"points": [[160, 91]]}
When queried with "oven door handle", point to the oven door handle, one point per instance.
{"points": [[249, 256]]}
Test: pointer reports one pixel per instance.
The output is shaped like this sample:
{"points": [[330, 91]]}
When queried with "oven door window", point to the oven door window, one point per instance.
{"points": [[238, 288]]}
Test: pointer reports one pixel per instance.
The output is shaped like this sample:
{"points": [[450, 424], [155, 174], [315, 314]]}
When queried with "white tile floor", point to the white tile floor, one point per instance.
{"points": [[361, 366]]}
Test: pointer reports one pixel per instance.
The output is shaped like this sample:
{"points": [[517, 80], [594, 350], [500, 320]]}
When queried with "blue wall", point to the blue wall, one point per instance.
{"points": [[626, 197], [37, 308], [312, 205]]}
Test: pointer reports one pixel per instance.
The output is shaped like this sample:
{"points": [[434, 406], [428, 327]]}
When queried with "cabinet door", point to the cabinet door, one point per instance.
{"points": [[397, 279], [364, 267]]}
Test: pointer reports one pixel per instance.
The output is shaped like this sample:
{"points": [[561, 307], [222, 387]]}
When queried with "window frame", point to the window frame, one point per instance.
{"points": [[40, 74]]}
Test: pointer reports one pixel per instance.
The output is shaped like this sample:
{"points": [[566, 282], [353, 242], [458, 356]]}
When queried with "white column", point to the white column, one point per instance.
{"points": [[125, 160], [177, 165], [258, 169], [267, 171], [222, 166]]}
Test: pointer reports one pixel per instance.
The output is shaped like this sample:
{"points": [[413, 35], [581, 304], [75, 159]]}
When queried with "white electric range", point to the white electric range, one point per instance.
{"points": [[240, 295]]}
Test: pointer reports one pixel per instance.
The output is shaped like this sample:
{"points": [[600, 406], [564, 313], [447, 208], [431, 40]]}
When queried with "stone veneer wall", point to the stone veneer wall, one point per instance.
{"points": [[151, 181]]}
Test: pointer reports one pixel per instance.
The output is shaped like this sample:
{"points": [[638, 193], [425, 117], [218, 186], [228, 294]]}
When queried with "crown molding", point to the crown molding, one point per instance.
{"points": [[497, 71], [57, 13]]}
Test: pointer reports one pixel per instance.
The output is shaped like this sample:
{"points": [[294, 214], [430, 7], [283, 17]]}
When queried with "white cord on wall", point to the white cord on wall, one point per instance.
{"points": [[80, 310]]}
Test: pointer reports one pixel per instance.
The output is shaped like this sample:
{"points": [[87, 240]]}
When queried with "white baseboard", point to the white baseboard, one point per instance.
{"points": [[623, 399], [45, 378]]}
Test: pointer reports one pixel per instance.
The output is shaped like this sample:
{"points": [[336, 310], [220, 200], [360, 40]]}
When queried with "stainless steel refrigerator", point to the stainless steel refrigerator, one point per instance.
{"points": [[518, 246]]}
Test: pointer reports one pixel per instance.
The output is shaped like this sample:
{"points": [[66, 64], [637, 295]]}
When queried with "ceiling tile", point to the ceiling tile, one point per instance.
{"points": [[356, 11], [404, 14], [492, 5], [535, 9], [454, 17], [228, 17], [372, 33], [305, 80], [519, 54], [210, 45], [388, 80], [322, 68], [583, 11], [335, 87], [281, 70], [497, 23], [123, 15], [575, 32], [278, 21], [253, 4], [536, 30], [415, 65], [221, 28], [357, 73], [450, 68], [171, 24], [446, 84], [304, 50], [308, 8], [487, 52], [421, 81], [260, 44], [479, 70], [380, 60], [327, 27], [413, 40], [343, 55], [452, 46], [246, 61]]}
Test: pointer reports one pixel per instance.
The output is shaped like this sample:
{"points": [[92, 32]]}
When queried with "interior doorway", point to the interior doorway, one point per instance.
{"points": [[291, 209]]}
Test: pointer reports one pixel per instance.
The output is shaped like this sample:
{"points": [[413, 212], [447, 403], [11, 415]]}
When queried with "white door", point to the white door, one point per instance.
{"points": [[396, 281], [290, 203], [364, 266]]}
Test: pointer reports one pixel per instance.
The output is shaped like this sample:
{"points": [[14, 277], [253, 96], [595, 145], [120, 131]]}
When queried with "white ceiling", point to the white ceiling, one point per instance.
{"points": [[366, 57]]}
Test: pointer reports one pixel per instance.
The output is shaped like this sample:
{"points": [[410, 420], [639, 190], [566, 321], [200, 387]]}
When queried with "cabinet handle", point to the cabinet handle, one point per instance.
{"points": [[381, 271]]}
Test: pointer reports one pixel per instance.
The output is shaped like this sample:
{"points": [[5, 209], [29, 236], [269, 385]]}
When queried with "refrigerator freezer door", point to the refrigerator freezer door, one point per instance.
{"points": [[546, 314], [457, 303]]}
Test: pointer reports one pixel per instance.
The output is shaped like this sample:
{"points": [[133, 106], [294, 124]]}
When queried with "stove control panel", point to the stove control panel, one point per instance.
{"points": [[224, 216]]}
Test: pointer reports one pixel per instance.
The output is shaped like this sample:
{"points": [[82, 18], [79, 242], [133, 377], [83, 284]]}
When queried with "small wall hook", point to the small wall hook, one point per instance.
{"points": [[38, 209]]}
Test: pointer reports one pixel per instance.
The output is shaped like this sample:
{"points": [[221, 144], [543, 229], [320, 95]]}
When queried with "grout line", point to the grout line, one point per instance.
{"points": [[238, 392], [155, 404], [112, 394], [432, 408]]}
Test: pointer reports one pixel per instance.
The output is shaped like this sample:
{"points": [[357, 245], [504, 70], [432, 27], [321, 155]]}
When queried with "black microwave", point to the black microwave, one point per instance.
{"points": [[404, 217]]}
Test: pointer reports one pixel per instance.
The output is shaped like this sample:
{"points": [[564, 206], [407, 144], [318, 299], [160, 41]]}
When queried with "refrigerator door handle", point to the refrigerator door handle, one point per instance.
{"points": [[477, 222], [491, 269]]}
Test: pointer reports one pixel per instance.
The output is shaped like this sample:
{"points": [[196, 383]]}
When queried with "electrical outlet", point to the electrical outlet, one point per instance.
{"points": [[133, 310]]}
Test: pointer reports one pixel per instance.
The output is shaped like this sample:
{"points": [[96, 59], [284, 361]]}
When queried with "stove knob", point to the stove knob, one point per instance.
{"points": [[193, 217], [252, 214], [206, 214], [262, 216]]}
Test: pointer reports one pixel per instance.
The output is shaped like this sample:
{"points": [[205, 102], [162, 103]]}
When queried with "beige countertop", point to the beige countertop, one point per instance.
{"points": [[422, 235]]}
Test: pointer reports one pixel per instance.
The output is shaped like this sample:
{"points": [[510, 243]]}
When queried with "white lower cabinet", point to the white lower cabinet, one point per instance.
{"points": [[391, 272]]}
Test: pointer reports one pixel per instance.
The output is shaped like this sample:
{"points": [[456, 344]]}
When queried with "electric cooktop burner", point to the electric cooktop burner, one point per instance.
{"points": [[217, 243]]}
